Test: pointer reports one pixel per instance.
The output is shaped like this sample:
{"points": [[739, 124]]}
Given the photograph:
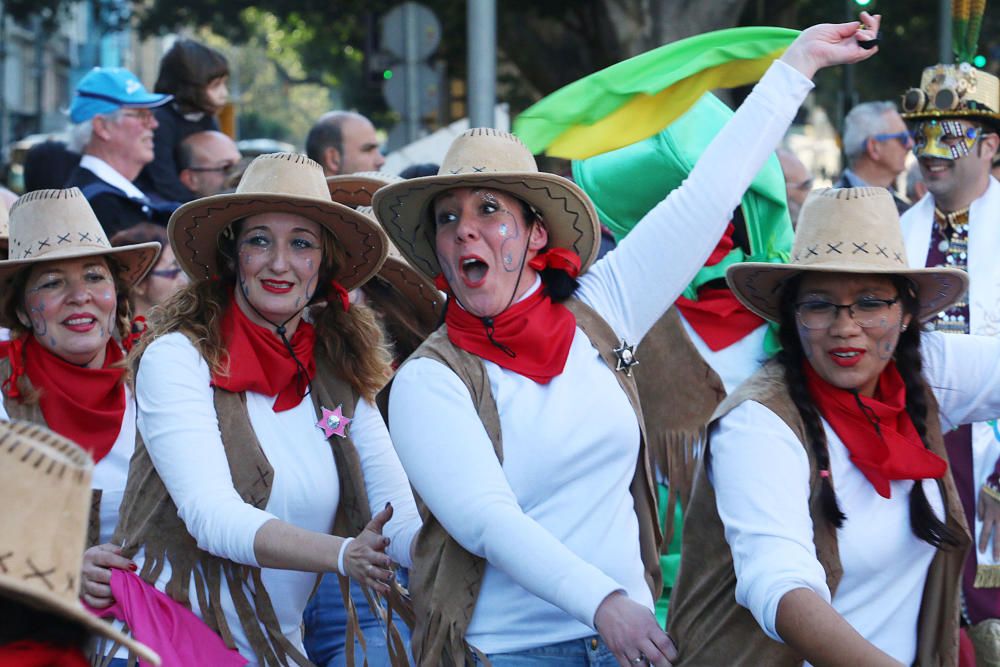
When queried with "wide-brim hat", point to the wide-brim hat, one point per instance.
{"points": [[276, 183], [357, 190], [45, 491], [954, 91], [848, 230], [487, 158], [53, 225]]}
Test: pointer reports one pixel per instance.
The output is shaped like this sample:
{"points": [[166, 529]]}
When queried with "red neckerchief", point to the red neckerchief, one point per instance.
{"points": [[537, 332], [260, 362], [898, 453], [26, 653], [86, 405], [718, 317]]}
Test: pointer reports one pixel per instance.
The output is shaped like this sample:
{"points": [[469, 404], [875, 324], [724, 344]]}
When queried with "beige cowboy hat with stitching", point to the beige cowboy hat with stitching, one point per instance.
{"points": [[51, 225], [357, 190], [45, 492], [848, 230], [276, 183], [487, 158]]}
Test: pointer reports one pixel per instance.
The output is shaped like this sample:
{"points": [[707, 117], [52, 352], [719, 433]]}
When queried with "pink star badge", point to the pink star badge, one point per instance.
{"points": [[333, 422]]}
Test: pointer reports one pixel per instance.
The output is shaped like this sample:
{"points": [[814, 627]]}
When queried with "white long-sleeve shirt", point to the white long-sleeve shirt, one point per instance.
{"points": [[556, 522], [180, 428], [111, 472], [760, 473]]}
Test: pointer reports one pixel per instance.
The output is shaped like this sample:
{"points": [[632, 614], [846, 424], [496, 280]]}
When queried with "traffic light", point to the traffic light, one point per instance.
{"points": [[979, 61], [863, 3]]}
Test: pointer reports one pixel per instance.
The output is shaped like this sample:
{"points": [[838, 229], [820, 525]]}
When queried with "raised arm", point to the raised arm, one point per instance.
{"points": [[636, 283]]}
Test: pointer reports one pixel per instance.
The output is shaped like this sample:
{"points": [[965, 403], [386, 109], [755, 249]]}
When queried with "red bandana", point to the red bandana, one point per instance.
{"points": [[27, 653], [86, 405], [899, 452], [260, 362], [537, 331], [718, 317]]}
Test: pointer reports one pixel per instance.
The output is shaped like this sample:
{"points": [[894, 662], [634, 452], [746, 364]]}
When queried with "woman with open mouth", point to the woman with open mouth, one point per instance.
{"points": [[518, 421], [65, 299], [824, 524], [265, 461]]}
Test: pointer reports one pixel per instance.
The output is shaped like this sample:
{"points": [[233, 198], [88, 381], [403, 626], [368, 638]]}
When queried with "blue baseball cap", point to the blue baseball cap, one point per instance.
{"points": [[104, 90]]}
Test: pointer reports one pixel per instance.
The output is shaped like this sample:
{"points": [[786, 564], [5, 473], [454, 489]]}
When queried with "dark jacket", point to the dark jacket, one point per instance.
{"points": [[901, 204], [161, 175], [114, 209]]}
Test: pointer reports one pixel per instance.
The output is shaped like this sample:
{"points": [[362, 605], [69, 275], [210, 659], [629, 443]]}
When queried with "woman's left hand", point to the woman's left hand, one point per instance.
{"points": [[631, 632], [829, 44], [988, 510], [98, 562]]}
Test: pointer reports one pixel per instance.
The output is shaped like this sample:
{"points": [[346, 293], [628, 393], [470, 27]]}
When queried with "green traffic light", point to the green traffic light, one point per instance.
{"points": [[862, 3], [979, 61], [387, 74]]}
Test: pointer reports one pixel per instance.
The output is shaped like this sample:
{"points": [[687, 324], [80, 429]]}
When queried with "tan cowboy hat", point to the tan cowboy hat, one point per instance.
{"points": [[487, 158], [50, 225], [45, 492], [848, 230], [276, 183], [357, 190]]}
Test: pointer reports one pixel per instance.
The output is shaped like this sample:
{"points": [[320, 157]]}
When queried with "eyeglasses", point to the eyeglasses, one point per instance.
{"points": [[224, 169], [868, 313], [904, 138], [169, 274], [144, 116]]}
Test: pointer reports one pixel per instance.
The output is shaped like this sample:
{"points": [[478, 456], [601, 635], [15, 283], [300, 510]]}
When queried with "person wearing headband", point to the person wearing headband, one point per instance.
{"points": [[518, 421], [265, 460], [824, 524]]}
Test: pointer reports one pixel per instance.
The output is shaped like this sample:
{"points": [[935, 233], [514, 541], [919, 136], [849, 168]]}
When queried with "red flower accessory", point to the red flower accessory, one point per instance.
{"points": [[884, 444], [341, 291], [260, 362], [560, 259], [139, 327]]}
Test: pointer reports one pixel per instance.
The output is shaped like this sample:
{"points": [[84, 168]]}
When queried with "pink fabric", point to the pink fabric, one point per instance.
{"points": [[173, 631]]}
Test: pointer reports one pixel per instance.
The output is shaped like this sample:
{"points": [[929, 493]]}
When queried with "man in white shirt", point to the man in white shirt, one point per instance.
{"points": [[112, 128]]}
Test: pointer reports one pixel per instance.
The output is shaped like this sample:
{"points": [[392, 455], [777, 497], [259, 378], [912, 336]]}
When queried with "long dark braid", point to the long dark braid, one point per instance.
{"points": [[923, 522], [791, 358]]}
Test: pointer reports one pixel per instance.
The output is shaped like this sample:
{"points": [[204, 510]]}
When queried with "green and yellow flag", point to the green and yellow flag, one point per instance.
{"points": [[638, 97]]}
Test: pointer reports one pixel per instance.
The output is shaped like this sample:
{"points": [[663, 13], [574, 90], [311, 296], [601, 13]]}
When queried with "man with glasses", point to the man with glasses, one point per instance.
{"points": [[206, 159], [954, 115], [876, 143], [112, 127]]}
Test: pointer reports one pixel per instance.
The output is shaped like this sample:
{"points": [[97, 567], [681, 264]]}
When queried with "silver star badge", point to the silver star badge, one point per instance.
{"points": [[626, 358]]}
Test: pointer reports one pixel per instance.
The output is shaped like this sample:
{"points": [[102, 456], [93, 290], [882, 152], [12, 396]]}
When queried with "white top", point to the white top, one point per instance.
{"points": [[735, 363], [111, 176], [111, 472], [179, 425], [760, 472], [556, 521]]}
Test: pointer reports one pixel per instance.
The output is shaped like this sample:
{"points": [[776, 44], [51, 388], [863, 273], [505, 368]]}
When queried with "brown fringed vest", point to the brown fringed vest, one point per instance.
{"points": [[149, 520], [711, 629], [679, 392], [31, 411], [445, 578]]}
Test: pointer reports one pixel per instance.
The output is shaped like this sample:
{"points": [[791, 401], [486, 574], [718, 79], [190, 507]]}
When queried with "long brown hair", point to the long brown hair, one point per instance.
{"points": [[351, 340]]}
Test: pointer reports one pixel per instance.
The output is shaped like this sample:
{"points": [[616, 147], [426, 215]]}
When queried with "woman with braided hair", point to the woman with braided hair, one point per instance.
{"points": [[824, 524]]}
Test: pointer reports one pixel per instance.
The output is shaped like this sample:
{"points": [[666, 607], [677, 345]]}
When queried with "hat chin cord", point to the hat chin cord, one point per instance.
{"points": [[301, 374]]}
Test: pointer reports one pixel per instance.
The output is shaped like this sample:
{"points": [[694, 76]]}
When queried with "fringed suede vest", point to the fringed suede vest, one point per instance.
{"points": [[679, 392], [149, 521], [31, 411], [711, 629], [445, 578]]}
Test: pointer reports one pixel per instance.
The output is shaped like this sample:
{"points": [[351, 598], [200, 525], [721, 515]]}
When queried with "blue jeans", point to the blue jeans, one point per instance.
{"points": [[325, 621], [586, 652]]}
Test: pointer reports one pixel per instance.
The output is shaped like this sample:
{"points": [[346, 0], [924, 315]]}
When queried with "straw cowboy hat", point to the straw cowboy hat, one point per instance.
{"points": [[276, 183], [51, 225], [849, 230], [45, 492], [487, 158], [357, 190]]}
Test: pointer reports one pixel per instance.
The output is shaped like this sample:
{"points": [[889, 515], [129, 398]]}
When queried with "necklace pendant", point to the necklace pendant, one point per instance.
{"points": [[626, 358]]}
